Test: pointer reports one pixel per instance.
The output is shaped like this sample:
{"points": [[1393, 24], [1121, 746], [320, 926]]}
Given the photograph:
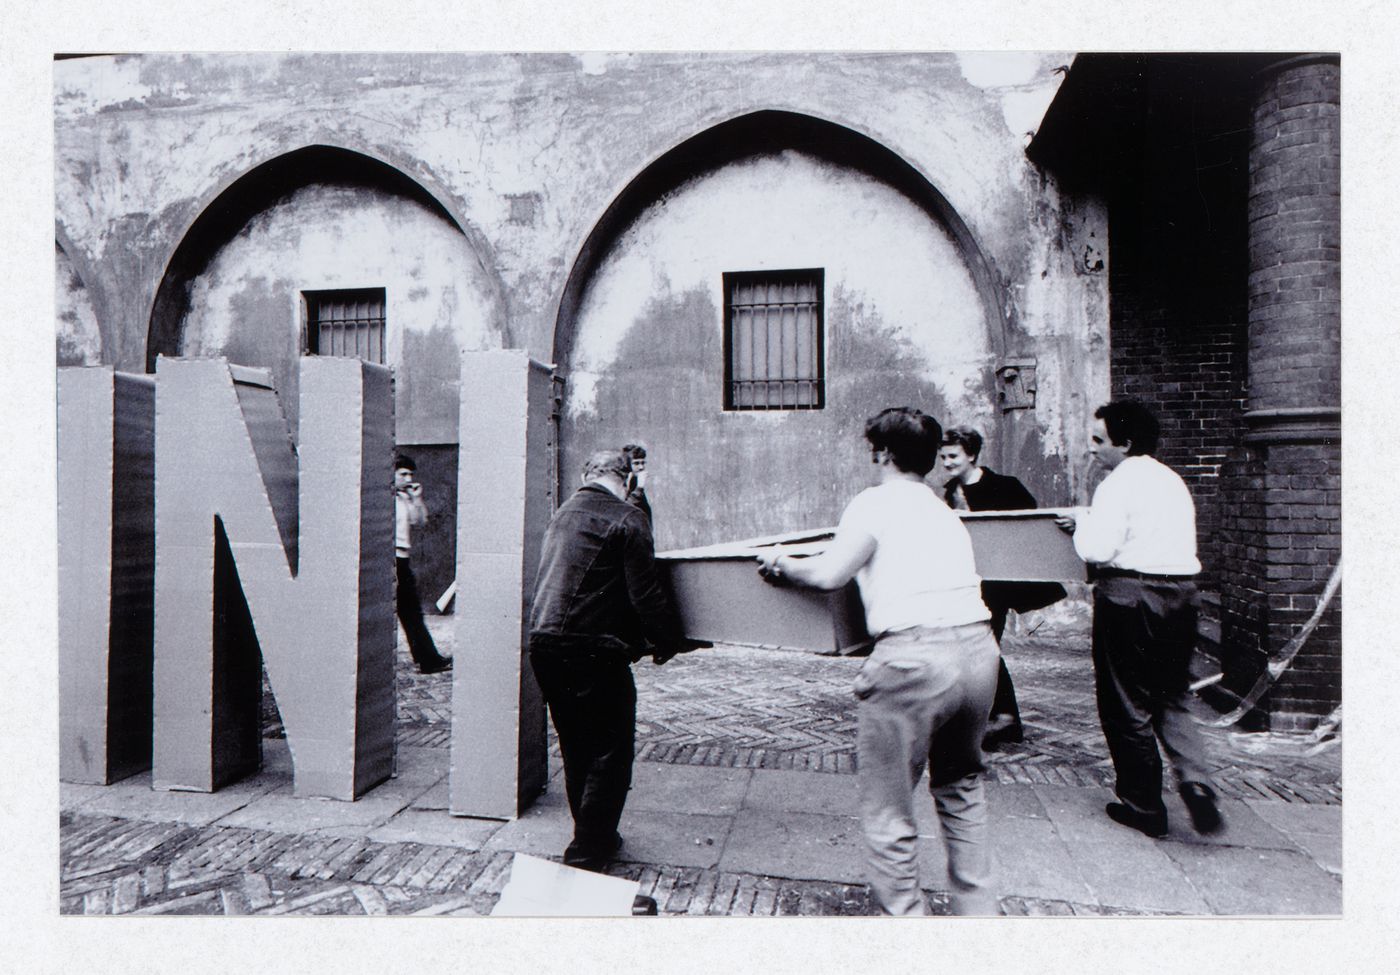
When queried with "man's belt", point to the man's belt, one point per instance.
{"points": [[1109, 572]]}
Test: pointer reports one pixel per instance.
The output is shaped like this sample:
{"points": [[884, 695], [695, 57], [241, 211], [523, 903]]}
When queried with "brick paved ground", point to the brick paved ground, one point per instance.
{"points": [[761, 708], [736, 707]]}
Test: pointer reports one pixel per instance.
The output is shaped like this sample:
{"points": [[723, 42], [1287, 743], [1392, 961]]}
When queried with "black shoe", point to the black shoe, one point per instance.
{"points": [[437, 666], [595, 861], [1148, 824], [643, 906], [1200, 803]]}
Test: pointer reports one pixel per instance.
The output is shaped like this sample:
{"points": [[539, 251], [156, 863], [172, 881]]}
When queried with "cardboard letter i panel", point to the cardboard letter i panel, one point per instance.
{"points": [[106, 560], [504, 502], [269, 558]]}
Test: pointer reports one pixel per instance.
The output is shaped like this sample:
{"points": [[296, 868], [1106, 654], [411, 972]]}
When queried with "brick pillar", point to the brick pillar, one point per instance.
{"points": [[1284, 528]]}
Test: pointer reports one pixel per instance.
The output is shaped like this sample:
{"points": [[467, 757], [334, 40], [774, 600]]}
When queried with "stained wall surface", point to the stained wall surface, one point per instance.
{"points": [[247, 304], [903, 321], [516, 160], [78, 340]]}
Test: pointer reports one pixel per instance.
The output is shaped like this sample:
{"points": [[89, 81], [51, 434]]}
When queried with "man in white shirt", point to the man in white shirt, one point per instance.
{"points": [[926, 691], [1139, 537]]}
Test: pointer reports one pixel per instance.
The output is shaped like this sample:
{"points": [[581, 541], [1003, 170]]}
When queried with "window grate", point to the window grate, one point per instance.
{"points": [[346, 323], [774, 340]]}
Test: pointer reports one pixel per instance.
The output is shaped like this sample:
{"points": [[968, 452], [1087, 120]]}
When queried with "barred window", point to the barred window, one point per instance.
{"points": [[773, 340], [346, 323]]}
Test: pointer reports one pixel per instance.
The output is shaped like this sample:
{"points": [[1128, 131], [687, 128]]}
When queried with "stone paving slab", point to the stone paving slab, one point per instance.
{"points": [[134, 798], [795, 845], [1293, 817], [437, 797], [434, 827], [1243, 826], [1119, 865], [1028, 861], [1031, 861], [1325, 849], [686, 789], [676, 839], [286, 814], [1006, 802], [1142, 875], [1240, 881], [542, 830], [786, 791]]}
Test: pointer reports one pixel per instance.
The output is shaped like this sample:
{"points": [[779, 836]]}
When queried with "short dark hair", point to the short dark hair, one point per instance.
{"points": [[610, 461], [1129, 422], [403, 462], [912, 437], [966, 438], [634, 450]]}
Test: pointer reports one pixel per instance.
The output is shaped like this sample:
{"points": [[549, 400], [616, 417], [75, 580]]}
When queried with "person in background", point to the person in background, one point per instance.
{"points": [[409, 513], [1139, 538], [972, 487], [926, 689], [637, 481], [599, 606]]}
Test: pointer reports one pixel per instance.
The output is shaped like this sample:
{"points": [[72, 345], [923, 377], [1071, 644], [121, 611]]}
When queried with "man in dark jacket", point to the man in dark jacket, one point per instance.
{"points": [[599, 606]]}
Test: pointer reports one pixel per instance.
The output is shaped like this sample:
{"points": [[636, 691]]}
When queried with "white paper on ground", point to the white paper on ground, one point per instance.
{"points": [[543, 888]]}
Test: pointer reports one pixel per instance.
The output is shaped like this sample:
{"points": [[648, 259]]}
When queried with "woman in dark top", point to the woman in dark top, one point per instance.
{"points": [[971, 487]]}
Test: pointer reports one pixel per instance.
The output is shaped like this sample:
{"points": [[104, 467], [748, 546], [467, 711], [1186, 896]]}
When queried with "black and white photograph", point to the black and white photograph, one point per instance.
{"points": [[672, 483]]}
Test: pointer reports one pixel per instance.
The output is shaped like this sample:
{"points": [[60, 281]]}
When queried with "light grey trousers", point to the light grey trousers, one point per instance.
{"points": [[925, 694]]}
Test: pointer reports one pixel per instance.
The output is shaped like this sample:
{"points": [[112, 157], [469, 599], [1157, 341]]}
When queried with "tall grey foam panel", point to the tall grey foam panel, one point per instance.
{"points": [[504, 502], [264, 557], [106, 563]]}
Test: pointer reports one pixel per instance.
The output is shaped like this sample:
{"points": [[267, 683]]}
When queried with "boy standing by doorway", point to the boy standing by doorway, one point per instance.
{"points": [[409, 513]]}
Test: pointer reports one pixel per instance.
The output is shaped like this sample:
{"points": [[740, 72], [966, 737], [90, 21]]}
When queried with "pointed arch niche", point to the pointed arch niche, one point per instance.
{"points": [[328, 219], [911, 316]]}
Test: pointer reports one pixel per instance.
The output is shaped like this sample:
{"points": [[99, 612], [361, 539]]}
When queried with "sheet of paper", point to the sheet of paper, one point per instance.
{"points": [[543, 888]]}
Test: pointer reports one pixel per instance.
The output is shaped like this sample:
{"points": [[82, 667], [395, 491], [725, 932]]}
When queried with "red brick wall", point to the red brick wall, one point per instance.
{"points": [[1295, 240], [1180, 349], [1224, 301], [1283, 539], [1283, 526]]}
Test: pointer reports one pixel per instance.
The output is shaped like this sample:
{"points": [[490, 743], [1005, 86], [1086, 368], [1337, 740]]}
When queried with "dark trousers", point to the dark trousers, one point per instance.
{"points": [[410, 610], [1144, 634], [1005, 700], [593, 703]]}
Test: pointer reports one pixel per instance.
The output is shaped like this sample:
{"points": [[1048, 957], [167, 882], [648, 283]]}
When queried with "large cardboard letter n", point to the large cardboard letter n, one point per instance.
{"points": [[274, 555]]}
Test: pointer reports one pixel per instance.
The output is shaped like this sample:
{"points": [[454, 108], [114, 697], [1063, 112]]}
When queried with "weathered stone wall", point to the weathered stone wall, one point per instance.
{"points": [[519, 158]]}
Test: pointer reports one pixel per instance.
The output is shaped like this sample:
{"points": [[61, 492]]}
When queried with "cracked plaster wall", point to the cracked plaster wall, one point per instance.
{"points": [[78, 341], [527, 151], [246, 305], [903, 323]]}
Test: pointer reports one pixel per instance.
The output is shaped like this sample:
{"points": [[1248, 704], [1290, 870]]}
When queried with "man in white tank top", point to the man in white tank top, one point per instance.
{"points": [[926, 690]]}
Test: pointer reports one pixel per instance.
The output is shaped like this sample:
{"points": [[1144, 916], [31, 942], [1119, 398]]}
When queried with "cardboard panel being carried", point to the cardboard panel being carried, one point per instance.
{"points": [[266, 557], [504, 502], [721, 597], [1022, 546], [106, 566]]}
